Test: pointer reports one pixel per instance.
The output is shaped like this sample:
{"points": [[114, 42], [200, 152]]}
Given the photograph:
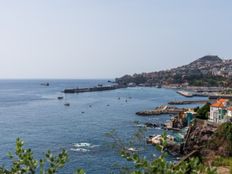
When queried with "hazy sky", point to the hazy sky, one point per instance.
{"points": [[109, 38]]}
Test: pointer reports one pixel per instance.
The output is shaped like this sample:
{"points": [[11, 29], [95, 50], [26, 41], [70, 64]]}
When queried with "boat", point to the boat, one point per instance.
{"points": [[60, 98], [67, 104], [44, 84]]}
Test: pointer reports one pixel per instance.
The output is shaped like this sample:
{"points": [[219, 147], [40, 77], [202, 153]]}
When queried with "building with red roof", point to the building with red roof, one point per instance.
{"points": [[220, 110]]}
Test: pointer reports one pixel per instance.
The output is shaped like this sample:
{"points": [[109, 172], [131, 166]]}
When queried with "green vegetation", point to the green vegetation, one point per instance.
{"points": [[136, 78], [222, 161], [158, 165], [203, 112], [205, 80], [23, 162], [223, 138]]}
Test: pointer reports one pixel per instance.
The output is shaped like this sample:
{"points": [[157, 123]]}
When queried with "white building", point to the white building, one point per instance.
{"points": [[219, 111]]}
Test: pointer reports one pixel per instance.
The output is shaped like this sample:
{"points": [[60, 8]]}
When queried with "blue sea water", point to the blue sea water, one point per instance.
{"points": [[32, 112]]}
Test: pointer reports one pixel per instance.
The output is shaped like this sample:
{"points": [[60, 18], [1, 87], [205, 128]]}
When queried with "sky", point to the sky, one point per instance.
{"points": [[87, 39]]}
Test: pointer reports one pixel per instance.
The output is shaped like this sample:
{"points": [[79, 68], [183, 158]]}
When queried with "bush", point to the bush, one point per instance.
{"points": [[224, 135], [23, 162]]}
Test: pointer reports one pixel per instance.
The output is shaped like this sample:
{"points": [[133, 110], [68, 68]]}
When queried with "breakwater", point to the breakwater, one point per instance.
{"points": [[185, 102], [162, 110], [210, 95], [93, 89]]}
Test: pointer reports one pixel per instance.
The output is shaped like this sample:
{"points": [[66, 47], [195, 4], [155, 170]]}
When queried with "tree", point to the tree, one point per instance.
{"points": [[203, 112]]}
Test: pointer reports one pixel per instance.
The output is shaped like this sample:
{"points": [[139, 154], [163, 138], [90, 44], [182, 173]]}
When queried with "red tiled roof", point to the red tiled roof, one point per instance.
{"points": [[220, 103]]}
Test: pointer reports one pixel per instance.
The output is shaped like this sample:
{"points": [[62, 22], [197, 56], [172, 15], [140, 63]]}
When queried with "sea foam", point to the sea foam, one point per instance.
{"points": [[83, 147]]}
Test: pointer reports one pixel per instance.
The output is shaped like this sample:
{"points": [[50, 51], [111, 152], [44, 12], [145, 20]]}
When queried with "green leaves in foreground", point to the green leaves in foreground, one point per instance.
{"points": [[23, 162]]}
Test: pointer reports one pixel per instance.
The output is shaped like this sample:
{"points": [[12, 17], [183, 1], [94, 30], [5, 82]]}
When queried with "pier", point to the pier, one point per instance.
{"points": [[93, 89], [185, 93], [185, 102]]}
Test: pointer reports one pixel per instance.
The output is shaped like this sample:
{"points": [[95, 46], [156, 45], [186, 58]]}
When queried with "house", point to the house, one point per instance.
{"points": [[219, 111], [229, 114]]}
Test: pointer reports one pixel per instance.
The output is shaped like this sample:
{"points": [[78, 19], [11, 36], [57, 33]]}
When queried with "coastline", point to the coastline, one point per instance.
{"points": [[80, 103]]}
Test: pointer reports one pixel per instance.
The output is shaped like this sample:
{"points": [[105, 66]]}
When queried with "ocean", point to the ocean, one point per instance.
{"points": [[32, 112]]}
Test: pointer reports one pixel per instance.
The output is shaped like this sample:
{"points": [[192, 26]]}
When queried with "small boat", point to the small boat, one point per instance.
{"points": [[67, 104], [60, 98], [44, 84]]}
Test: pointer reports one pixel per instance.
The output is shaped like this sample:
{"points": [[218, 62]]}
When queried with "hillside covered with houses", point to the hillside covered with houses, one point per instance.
{"points": [[206, 71]]}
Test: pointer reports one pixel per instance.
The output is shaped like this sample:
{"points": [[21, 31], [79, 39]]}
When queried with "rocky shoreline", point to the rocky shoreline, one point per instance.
{"points": [[161, 110]]}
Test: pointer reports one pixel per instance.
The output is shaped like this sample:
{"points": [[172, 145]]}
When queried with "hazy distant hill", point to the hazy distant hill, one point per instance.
{"points": [[205, 71]]}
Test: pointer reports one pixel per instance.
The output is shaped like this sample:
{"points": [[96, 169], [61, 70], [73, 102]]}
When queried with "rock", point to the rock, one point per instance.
{"points": [[173, 148], [152, 125], [195, 147], [204, 138]]}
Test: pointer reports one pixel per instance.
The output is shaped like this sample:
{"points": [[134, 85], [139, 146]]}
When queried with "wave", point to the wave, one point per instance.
{"points": [[87, 145], [83, 147], [140, 125], [79, 150]]}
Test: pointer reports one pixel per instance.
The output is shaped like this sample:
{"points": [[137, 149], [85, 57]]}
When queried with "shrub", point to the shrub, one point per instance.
{"points": [[23, 162], [223, 136]]}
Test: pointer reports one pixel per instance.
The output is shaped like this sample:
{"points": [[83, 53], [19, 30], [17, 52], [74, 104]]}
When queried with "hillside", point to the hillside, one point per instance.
{"points": [[205, 71]]}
